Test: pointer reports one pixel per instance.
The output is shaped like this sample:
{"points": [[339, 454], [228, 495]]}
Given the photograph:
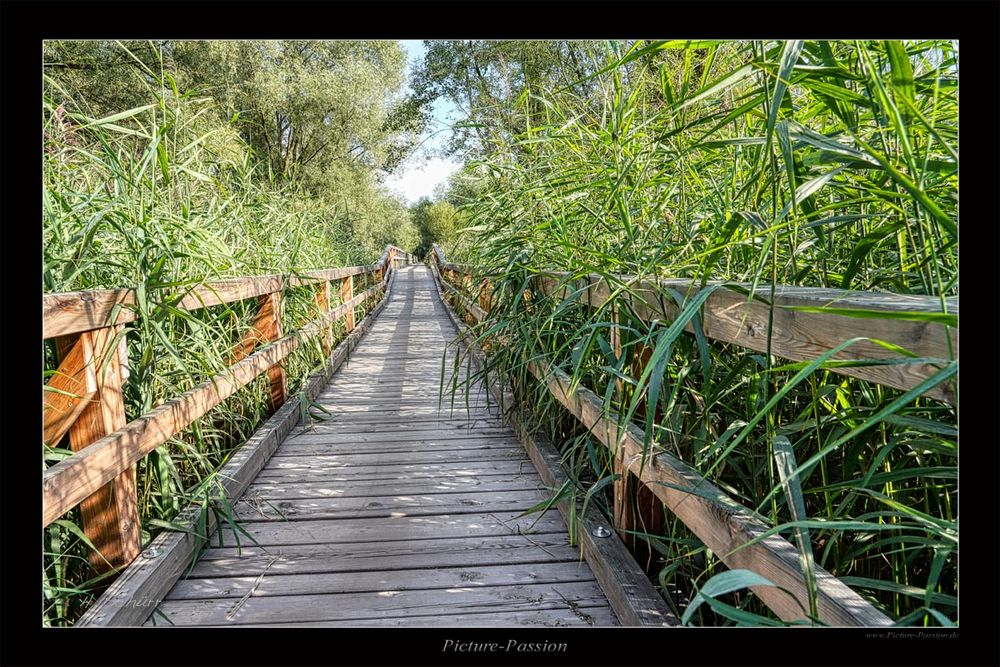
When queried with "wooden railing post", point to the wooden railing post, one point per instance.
{"points": [[110, 516], [70, 389], [346, 294], [636, 508], [485, 294], [323, 305], [276, 373], [266, 327]]}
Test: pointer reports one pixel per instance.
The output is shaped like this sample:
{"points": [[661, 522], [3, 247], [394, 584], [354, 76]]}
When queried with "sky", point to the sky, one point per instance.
{"points": [[423, 171]]}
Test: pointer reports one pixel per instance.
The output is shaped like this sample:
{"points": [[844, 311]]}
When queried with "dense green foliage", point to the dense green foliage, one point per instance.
{"points": [[825, 164], [170, 164]]}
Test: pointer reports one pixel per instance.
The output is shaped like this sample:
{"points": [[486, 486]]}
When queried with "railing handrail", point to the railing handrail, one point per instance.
{"points": [[800, 331], [65, 313]]}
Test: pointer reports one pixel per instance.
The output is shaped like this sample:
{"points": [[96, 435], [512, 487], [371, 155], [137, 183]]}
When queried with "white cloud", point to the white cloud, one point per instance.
{"points": [[414, 180]]}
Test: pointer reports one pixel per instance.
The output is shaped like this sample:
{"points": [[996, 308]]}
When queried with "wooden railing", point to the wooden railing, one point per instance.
{"points": [[799, 331], [84, 396]]}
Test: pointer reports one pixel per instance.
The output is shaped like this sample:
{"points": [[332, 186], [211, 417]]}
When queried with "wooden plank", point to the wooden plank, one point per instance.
{"points": [[337, 461], [69, 390], [277, 382], [265, 328], [549, 618], [720, 522], [292, 486], [250, 559], [305, 469], [319, 445], [276, 533], [421, 431], [387, 556], [67, 483], [132, 597], [257, 507], [423, 427], [631, 595], [110, 515], [382, 604], [361, 459], [324, 449], [274, 583]]}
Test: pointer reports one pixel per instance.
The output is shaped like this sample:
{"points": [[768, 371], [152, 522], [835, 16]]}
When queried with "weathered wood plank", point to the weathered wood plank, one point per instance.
{"points": [[344, 460], [549, 618], [421, 428], [383, 604], [729, 316], [325, 449], [302, 469], [290, 487], [255, 507], [268, 533], [66, 313], [273, 583], [388, 440], [383, 556]]}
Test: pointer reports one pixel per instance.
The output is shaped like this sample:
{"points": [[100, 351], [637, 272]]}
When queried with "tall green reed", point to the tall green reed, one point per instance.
{"points": [[825, 164]]}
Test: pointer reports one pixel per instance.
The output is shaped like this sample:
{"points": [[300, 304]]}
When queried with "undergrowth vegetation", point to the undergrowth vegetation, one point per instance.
{"points": [[820, 164]]}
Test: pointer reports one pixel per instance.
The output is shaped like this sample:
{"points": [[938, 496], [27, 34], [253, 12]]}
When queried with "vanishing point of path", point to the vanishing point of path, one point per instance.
{"points": [[394, 511]]}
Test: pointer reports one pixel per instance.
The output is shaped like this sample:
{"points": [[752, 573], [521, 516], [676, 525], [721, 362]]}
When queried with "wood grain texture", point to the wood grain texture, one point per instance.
{"points": [[69, 390], [581, 616], [383, 604], [346, 294], [433, 577], [323, 307], [110, 514]]}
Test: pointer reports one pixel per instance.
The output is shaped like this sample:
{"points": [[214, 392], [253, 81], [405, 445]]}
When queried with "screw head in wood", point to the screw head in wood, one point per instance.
{"points": [[600, 531]]}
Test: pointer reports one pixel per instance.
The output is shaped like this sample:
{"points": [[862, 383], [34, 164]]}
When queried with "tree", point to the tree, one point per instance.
{"points": [[328, 120]]}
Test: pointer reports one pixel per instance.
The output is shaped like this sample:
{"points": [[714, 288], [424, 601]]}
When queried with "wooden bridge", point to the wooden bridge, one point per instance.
{"points": [[403, 507]]}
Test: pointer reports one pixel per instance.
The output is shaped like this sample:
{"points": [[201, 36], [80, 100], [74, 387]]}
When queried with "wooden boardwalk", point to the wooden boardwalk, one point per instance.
{"points": [[394, 511]]}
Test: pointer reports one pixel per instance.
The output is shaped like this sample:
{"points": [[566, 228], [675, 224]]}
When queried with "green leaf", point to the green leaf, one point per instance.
{"points": [[720, 584], [902, 74], [161, 154], [789, 56]]}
